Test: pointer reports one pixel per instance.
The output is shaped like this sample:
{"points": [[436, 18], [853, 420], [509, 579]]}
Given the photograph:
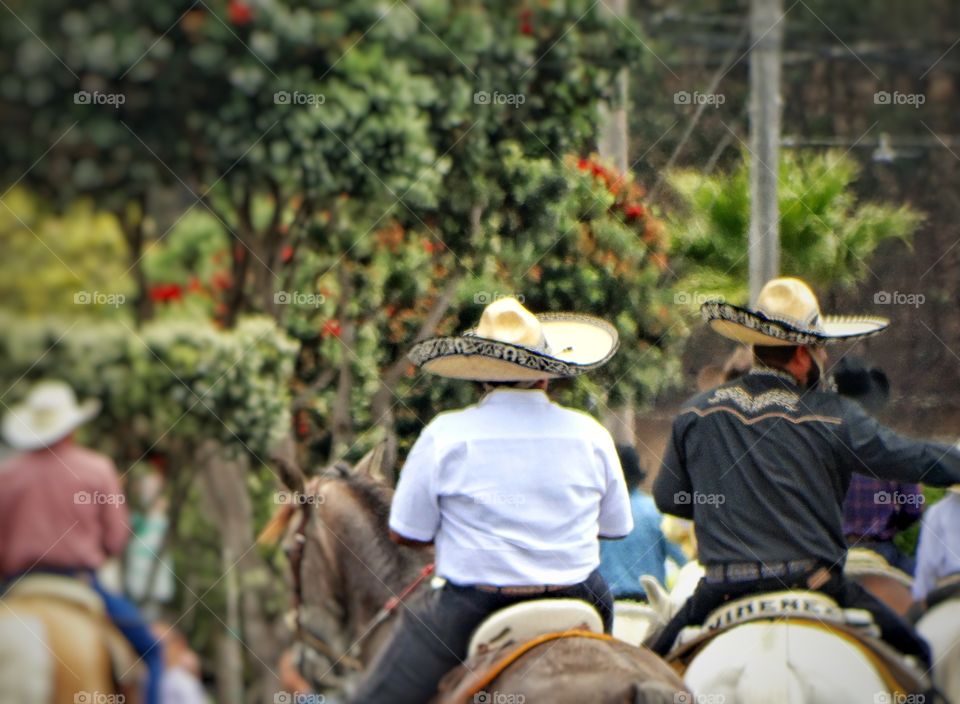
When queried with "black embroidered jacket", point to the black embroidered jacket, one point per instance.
{"points": [[762, 468]]}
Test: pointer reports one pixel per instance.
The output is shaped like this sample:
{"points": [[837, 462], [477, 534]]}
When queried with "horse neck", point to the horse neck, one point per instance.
{"points": [[369, 569]]}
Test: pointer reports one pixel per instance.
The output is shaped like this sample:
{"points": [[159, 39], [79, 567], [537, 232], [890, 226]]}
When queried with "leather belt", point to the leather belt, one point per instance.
{"points": [[521, 591], [719, 573]]}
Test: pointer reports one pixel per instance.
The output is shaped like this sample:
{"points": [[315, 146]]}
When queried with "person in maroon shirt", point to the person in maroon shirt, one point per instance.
{"points": [[62, 509]]}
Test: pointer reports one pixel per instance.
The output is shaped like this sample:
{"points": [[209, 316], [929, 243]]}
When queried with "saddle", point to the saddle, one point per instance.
{"points": [[804, 608], [43, 594], [508, 634], [945, 589]]}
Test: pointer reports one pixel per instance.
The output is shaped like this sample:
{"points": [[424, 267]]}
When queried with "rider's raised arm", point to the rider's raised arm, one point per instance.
{"points": [[672, 488], [415, 511], [874, 450]]}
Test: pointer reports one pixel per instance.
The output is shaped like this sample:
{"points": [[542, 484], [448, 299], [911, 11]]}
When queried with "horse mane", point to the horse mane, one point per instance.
{"points": [[391, 561]]}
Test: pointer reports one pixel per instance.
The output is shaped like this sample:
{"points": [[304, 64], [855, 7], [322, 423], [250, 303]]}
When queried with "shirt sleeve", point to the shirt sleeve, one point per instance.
{"points": [[875, 450], [415, 511], [672, 489], [925, 575], [114, 517], [616, 518]]}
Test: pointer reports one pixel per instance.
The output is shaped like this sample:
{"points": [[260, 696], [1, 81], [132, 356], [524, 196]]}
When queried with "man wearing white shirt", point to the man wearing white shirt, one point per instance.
{"points": [[514, 492], [938, 552]]}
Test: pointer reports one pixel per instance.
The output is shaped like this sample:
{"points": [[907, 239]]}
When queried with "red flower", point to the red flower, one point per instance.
{"points": [[634, 212], [331, 327], [221, 281], [240, 13], [583, 164], [164, 293], [195, 285], [526, 28], [286, 254]]}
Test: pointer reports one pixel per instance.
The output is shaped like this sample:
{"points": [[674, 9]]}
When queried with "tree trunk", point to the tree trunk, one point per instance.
{"points": [[245, 577]]}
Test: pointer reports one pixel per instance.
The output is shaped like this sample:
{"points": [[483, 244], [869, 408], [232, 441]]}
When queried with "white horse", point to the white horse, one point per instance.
{"points": [[940, 626], [761, 662]]}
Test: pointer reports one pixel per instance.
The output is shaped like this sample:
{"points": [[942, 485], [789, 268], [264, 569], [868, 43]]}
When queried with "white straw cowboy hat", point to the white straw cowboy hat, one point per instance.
{"points": [[48, 414], [787, 313], [513, 344]]}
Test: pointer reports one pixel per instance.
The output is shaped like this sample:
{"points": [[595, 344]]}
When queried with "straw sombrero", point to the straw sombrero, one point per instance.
{"points": [[787, 313], [513, 344], [48, 414]]}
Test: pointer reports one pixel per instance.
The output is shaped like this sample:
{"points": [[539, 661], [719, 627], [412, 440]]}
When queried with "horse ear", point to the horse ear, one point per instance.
{"points": [[371, 464]]}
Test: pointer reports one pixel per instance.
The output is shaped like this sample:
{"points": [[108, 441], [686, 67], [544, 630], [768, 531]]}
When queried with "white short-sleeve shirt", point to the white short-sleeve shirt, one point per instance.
{"points": [[514, 491]]}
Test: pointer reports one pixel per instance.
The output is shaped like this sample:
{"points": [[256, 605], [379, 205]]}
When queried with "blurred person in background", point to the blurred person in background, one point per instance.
{"points": [[645, 550], [147, 577], [938, 552], [875, 510], [180, 683], [62, 510]]}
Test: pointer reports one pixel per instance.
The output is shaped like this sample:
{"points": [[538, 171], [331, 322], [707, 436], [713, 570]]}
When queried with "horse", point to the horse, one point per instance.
{"points": [[940, 626], [57, 646], [345, 569], [872, 572], [782, 659]]}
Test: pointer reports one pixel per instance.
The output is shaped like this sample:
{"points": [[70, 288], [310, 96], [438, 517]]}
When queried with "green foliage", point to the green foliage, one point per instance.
{"points": [[73, 263], [827, 235], [173, 381]]}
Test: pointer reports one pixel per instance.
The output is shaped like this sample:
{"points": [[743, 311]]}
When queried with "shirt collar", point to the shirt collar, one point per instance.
{"points": [[763, 370], [503, 396]]}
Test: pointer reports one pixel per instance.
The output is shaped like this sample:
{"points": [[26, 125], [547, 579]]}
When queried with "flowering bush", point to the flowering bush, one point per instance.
{"points": [[180, 381]]}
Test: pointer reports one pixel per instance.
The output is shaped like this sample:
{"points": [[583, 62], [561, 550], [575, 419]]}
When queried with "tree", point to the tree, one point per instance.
{"points": [[827, 234]]}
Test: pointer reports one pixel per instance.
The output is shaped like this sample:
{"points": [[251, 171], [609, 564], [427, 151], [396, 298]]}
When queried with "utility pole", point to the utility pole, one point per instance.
{"points": [[612, 144], [766, 58]]}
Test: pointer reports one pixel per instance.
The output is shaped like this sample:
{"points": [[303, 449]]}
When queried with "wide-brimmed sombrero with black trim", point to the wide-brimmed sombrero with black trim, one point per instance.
{"points": [[513, 344], [787, 313]]}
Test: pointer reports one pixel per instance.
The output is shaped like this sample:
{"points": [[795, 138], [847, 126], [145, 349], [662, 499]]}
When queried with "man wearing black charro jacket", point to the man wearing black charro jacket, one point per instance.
{"points": [[762, 464]]}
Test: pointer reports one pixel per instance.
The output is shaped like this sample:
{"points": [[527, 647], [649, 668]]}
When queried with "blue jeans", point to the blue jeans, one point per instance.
{"points": [[128, 620]]}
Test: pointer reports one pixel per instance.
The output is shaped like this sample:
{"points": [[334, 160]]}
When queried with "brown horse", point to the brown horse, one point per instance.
{"points": [[57, 646], [348, 568], [872, 572]]}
